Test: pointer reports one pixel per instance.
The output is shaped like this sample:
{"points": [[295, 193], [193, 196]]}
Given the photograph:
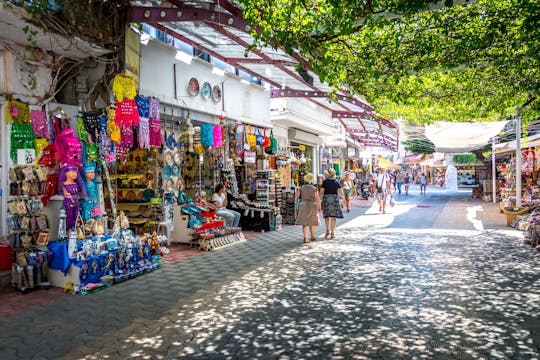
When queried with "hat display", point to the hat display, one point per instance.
{"points": [[308, 178], [331, 172]]}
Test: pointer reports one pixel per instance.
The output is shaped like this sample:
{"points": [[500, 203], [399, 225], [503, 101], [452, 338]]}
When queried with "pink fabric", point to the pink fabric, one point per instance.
{"points": [[218, 137], [155, 132], [126, 114], [38, 118]]}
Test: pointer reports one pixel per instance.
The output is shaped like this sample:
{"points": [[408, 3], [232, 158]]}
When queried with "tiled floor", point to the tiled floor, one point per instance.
{"points": [[14, 301]]}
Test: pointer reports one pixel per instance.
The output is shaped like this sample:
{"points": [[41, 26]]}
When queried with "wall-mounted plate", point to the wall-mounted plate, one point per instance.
{"points": [[206, 90], [193, 87], [216, 93]]}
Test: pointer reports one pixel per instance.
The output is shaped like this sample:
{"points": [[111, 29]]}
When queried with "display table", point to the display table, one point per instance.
{"points": [[121, 263]]}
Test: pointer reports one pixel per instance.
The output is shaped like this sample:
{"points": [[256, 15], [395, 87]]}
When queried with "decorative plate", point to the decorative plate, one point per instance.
{"points": [[177, 158], [175, 170], [166, 172], [168, 157], [193, 87], [216, 93], [131, 195], [206, 90]]}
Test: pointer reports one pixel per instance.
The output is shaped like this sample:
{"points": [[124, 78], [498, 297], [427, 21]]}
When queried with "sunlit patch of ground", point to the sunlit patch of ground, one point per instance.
{"points": [[389, 293]]}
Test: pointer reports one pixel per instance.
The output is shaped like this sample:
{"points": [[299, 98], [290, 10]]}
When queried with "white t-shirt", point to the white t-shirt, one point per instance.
{"points": [[219, 199], [382, 180]]}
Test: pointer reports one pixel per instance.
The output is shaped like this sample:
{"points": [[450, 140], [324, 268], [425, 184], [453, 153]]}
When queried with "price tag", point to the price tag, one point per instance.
{"points": [[26, 156]]}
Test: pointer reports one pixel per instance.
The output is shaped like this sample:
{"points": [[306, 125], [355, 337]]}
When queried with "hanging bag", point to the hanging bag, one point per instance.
{"points": [[250, 137], [259, 138], [267, 141], [272, 149]]}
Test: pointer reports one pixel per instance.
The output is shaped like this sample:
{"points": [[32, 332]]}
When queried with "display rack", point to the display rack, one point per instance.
{"points": [[266, 187], [288, 206]]}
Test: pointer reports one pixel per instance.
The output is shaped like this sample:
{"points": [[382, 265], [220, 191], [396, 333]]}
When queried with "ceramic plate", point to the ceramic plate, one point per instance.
{"points": [[175, 170], [177, 158], [193, 87], [216, 93], [168, 157], [166, 172], [206, 90]]}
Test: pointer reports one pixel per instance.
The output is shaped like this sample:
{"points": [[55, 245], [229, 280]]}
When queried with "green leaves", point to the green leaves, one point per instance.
{"points": [[471, 62], [464, 159]]}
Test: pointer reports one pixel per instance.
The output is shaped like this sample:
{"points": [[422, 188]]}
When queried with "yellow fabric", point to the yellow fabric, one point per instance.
{"points": [[124, 88], [23, 112]]}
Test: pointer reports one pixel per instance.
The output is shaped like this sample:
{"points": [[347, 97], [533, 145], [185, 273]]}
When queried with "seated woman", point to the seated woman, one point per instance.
{"points": [[219, 198]]}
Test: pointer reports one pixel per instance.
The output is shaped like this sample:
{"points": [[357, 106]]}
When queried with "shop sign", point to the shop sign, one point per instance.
{"points": [[26, 156], [250, 157]]}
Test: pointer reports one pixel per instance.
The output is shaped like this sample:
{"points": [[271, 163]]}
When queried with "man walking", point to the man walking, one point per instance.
{"points": [[383, 187], [423, 184]]}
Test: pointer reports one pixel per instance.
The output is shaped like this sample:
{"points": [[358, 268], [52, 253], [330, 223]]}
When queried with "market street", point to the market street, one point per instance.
{"points": [[439, 276]]}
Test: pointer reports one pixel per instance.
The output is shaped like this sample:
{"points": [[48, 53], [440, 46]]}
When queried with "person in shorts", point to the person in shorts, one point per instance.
{"points": [[384, 184]]}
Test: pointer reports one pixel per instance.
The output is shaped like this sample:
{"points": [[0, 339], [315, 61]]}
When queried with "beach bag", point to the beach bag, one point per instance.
{"points": [[272, 149], [267, 141], [250, 137], [259, 138]]}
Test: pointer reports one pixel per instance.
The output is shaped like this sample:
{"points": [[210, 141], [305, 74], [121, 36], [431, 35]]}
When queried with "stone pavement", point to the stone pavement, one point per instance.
{"points": [[439, 276]]}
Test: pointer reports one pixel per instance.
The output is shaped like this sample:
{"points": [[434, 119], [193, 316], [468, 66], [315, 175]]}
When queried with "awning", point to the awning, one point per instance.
{"points": [[531, 141], [427, 162], [462, 137], [413, 159], [387, 164]]}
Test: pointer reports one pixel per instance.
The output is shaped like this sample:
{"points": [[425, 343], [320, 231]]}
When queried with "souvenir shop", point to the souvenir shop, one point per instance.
{"points": [[530, 180], [523, 215], [84, 205]]}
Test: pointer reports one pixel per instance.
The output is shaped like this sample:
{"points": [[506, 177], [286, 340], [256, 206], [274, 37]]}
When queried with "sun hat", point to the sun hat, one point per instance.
{"points": [[331, 172], [308, 178]]}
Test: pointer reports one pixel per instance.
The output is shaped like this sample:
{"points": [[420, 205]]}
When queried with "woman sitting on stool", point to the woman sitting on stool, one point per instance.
{"points": [[219, 198]]}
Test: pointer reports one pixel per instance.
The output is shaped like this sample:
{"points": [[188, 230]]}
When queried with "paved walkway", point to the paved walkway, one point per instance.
{"points": [[440, 276]]}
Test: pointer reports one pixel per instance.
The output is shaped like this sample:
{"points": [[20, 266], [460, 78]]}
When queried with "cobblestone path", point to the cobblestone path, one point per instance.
{"points": [[450, 287]]}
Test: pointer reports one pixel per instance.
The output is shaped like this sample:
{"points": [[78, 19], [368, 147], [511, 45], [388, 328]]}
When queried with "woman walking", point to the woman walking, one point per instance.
{"points": [[310, 205], [331, 192], [348, 187]]}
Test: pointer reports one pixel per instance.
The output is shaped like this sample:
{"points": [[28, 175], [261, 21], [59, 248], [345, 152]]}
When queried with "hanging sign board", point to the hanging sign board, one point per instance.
{"points": [[250, 157]]}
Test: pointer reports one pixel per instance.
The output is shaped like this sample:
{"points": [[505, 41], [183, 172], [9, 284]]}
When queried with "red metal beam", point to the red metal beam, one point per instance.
{"points": [[154, 15], [303, 93]]}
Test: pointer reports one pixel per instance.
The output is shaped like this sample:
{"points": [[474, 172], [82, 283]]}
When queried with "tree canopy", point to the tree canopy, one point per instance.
{"points": [[423, 61]]}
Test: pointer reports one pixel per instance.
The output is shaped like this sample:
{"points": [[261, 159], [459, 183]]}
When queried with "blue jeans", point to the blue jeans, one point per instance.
{"points": [[231, 217], [399, 187]]}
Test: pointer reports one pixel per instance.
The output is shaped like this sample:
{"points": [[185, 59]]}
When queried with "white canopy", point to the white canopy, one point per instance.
{"points": [[459, 137]]}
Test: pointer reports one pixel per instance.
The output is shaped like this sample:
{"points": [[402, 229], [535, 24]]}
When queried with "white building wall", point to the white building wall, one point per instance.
{"points": [[248, 103]]}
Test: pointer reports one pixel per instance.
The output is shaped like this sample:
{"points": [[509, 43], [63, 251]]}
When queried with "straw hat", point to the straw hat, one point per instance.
{"points": [[331, 172], [308, 178]]}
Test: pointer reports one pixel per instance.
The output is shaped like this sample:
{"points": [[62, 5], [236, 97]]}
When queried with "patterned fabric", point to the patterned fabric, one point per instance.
{"points": [[143, 106], [154, 108], [127, 114], [124, 87], [308, 212], [331, 206], [144, 133], [155, 133]]}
